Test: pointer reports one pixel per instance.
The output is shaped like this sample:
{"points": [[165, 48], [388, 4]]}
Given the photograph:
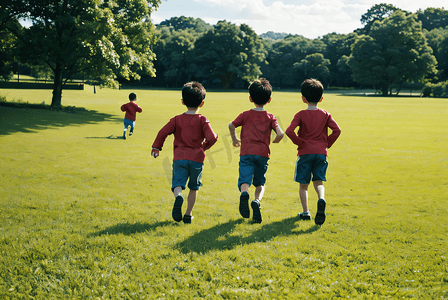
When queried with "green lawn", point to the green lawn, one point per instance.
{"points": [[85, 214]]}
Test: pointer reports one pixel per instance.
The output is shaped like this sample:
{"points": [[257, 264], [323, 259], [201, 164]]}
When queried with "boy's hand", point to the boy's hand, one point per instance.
{"points": [[236, 142], [155, 152]]}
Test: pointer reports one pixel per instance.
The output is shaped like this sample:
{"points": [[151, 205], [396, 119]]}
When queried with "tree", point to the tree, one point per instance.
{"points": [[395, 52], [7, 56], [229, 51], [175, 48], [378, 12], [337, 47], [314, 66], [108, 40], [182, 22], [433, 18], [288, 51], [438, 41]]}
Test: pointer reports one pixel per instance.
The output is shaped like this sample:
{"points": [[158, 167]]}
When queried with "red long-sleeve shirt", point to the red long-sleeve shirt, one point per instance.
{"points": [[192, 136], [312, 137], [131, 108], [256, 131]]}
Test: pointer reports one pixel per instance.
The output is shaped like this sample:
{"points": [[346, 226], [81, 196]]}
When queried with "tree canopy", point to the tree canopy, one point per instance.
{"points": [[396, 51], [108, 40], [229, 51]]}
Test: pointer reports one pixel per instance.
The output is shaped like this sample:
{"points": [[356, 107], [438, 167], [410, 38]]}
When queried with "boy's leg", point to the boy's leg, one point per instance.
{"points": [[126, 124], [302, 175], [244, 188], [177, 191], [125, 129], [244, 198], [261, 167], [321, 204], [320, 189], [191, 201], [255, 204], [303, 193], [246, 170], [132, 128], [259, 192], [180, 177], [177, 207], [195, 174], [320, 166]]}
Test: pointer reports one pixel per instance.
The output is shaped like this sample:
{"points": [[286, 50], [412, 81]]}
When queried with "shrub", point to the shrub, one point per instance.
{"points": [[437, 90], [427, 90]]}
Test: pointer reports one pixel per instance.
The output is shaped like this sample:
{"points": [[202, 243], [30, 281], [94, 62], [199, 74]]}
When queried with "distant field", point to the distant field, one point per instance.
{"points": [[85, 214]]}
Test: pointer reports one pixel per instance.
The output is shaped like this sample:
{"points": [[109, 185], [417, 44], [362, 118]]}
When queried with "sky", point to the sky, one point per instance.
{"points": [[309, 18]]}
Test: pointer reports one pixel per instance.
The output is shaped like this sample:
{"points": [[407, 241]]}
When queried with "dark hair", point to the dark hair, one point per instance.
{"points": [[312, 90], [193, 93], [260, 91], [132, 96]]}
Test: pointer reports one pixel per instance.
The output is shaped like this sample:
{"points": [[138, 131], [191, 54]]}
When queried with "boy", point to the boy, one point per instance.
{"points": [[312, 141], [193, 135], [255, 139], [131, 108]]}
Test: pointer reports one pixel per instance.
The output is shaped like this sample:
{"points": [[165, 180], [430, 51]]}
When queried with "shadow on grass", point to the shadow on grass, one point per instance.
{"points": [[222, 237], [32, 120], [129, 229], [110, 137]]}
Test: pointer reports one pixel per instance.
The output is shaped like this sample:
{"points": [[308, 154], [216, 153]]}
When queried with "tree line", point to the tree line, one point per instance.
{"points": [[113, 42], [394, 49]]}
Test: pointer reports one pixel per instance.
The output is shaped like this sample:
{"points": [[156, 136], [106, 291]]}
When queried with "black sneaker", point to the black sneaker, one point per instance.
{"points": [[244, 206], [131, 132], [320, 215], [256, 217], [177, 209], [304, 216], [187, 219]]}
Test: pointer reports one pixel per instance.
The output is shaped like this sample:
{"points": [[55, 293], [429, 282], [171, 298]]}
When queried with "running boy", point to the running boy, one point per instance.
{"points": [[193, 135], [312, 141], [257, 125], [131, 108]]}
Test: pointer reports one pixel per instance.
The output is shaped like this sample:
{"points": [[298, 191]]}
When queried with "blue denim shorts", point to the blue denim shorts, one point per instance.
{"points": [[184, 169], [128, 122], [311, 164], [252, 170]]}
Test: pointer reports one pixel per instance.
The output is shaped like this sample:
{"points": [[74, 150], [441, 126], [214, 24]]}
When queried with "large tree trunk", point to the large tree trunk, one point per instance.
{"points": [[57, 88]]}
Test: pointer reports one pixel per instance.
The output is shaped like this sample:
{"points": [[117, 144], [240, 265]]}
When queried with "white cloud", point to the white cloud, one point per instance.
{"points": [[307, 19]]}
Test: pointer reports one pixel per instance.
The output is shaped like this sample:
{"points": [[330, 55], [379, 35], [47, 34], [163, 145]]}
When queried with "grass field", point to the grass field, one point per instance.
{"points": [[85, 214]]}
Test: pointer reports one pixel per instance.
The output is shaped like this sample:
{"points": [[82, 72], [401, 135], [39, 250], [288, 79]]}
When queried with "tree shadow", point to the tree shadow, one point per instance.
{"points": [[32, 120], [130, 229], [222, 236]]}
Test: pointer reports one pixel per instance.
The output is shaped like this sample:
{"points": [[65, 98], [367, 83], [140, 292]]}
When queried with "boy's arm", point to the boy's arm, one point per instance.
{"points": [[336, 131], [236, 141], [210, 136], [161, 137], [290, 132], [123, 107], [279, 133]]}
